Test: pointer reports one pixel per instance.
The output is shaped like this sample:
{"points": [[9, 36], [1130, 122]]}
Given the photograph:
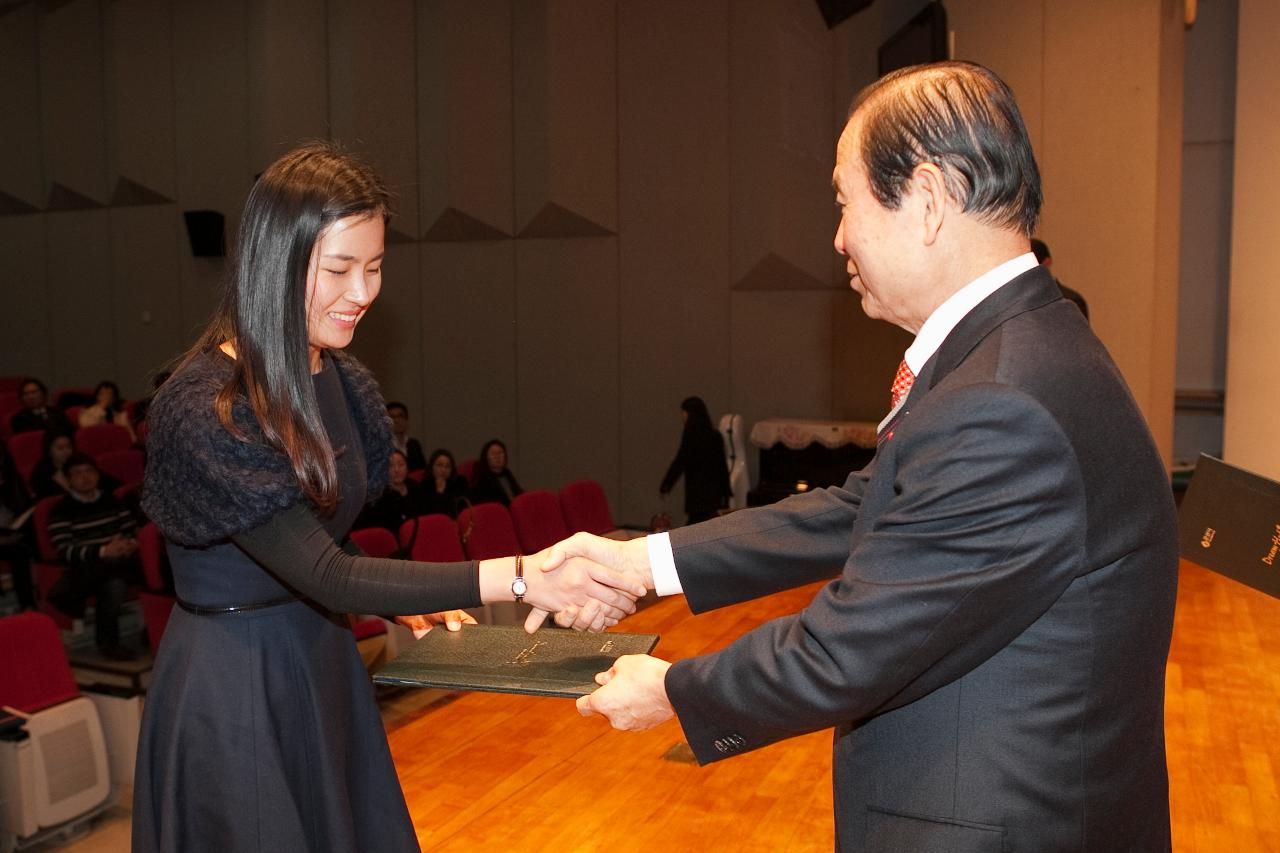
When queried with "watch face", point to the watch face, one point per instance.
{"points": [[519, 587]]}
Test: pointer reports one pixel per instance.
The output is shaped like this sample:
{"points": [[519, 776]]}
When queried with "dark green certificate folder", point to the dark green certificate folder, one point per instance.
{"points": [[1230, 522], [504, 659]]}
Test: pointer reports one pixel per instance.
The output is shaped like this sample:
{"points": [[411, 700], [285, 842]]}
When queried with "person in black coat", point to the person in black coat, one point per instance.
{"points": [[36, 413], [701, 460], [494, 482], [402, 499], [444, 490]]}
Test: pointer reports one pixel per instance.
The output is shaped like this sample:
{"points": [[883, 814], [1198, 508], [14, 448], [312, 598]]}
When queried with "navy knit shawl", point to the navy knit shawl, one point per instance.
{"points": [[203, 484]]}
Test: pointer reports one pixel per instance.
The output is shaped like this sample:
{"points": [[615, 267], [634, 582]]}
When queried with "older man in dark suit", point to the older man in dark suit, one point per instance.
{"points": [[991, 651]]}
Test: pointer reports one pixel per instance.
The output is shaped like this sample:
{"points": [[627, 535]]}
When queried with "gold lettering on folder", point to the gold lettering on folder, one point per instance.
{"points": [[525, 657]]}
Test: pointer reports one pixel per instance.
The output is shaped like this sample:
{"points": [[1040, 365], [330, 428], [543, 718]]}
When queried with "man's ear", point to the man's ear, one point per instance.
{"points": [[930, 187]]}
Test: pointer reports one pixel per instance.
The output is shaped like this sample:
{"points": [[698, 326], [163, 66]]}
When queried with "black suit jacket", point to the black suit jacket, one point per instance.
{"points": [[991, 653]]}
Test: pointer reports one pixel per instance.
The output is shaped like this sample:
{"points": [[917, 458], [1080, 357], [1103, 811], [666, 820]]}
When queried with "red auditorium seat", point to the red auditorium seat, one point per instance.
{"points": [[102, 438], [47, 568], [34, 673], [125, 465], [376, 542], [538, 521], [72, 397], [434, 539], [157, 604], [486, 532], [467, 468], [10, 405], [585, 507]]}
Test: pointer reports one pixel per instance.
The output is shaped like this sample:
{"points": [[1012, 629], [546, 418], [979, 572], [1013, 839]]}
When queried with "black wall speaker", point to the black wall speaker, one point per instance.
{"points": [[206, 229]]}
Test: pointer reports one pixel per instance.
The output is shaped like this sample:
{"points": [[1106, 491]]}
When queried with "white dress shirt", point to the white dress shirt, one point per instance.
{"points": [[945, 317]]}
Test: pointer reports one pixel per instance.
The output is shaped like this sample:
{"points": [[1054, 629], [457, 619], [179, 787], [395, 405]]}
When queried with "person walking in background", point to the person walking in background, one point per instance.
{"points": [[700, 460]]}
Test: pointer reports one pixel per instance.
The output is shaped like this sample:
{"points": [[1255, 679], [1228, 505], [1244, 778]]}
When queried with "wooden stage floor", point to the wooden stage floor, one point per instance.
{"points": [[513, 773]]}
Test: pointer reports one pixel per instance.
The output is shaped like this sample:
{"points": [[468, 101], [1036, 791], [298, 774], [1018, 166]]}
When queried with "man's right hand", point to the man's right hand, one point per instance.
{"points": [[629, 559]]}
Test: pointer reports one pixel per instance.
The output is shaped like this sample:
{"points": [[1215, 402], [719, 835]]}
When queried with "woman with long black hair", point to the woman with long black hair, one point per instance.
{"points": [[260, 730], [701, 461]]}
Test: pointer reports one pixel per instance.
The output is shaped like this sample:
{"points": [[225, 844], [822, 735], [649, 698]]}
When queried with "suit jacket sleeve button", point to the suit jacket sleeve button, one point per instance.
{"points": [[721, 745]]}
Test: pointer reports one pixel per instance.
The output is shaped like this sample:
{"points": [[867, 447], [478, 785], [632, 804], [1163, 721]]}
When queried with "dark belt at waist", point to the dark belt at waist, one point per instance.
{"points": [[198, 610]]}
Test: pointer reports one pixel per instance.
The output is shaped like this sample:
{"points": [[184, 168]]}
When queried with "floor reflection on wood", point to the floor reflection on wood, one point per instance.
{"points": [[518, 773]]}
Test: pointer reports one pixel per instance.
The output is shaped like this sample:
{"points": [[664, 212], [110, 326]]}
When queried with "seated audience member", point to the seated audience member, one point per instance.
{"points": [[14, 547], [407, 445], [96, 536], [107, 408], [49, 476], [36, 413], [1041, 250], [445, 490], [400, 501], [494, 482]]}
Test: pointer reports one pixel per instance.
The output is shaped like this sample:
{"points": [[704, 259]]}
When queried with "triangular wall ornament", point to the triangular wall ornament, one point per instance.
{"points": [[554, 221], [777, 273], [65, 198], [12, 204], [395, 235], [454, 226], [129, 193]]}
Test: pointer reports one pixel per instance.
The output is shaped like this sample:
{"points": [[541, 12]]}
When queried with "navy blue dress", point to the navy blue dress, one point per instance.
{"points": [[260, 730]]}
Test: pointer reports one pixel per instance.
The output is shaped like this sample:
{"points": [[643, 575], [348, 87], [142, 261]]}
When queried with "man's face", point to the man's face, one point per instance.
{"points": [[32, 395], [399, 420], [877, 242], [83, 479]]}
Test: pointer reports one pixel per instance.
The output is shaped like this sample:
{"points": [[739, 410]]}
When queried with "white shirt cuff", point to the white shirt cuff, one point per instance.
{"points": [[662, 564]]}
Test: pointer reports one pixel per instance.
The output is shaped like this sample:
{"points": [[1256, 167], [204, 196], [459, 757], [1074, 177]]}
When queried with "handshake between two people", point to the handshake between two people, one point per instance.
{"points": [[589, 583], [632, 695]]}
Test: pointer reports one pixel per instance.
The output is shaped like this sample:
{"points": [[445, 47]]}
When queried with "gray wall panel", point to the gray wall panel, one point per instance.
{"points": [[673, 200], [372, 94], [141, 97], [567, 362], [565, 68], [211, 86], [72, 98], [289, 85], [464, 114], [26, 344], [468, 367], [782, 354], [82, 313], [146, 310], [21, 161]]}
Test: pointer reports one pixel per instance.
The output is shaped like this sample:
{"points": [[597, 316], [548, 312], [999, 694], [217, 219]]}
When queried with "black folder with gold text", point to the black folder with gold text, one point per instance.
{"points": [[505, 659], [1229, 522]]}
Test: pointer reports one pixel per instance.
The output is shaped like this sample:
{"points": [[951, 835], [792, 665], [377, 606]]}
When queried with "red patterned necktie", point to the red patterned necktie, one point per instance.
{"points": [[902, 381]]}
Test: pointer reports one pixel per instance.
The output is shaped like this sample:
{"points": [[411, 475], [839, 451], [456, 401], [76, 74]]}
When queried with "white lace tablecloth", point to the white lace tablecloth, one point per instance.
{"points": [[799, 434]]}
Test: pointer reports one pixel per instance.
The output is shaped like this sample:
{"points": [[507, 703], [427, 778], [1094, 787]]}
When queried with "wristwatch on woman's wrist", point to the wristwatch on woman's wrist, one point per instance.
{"points": [[518, 586]]}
